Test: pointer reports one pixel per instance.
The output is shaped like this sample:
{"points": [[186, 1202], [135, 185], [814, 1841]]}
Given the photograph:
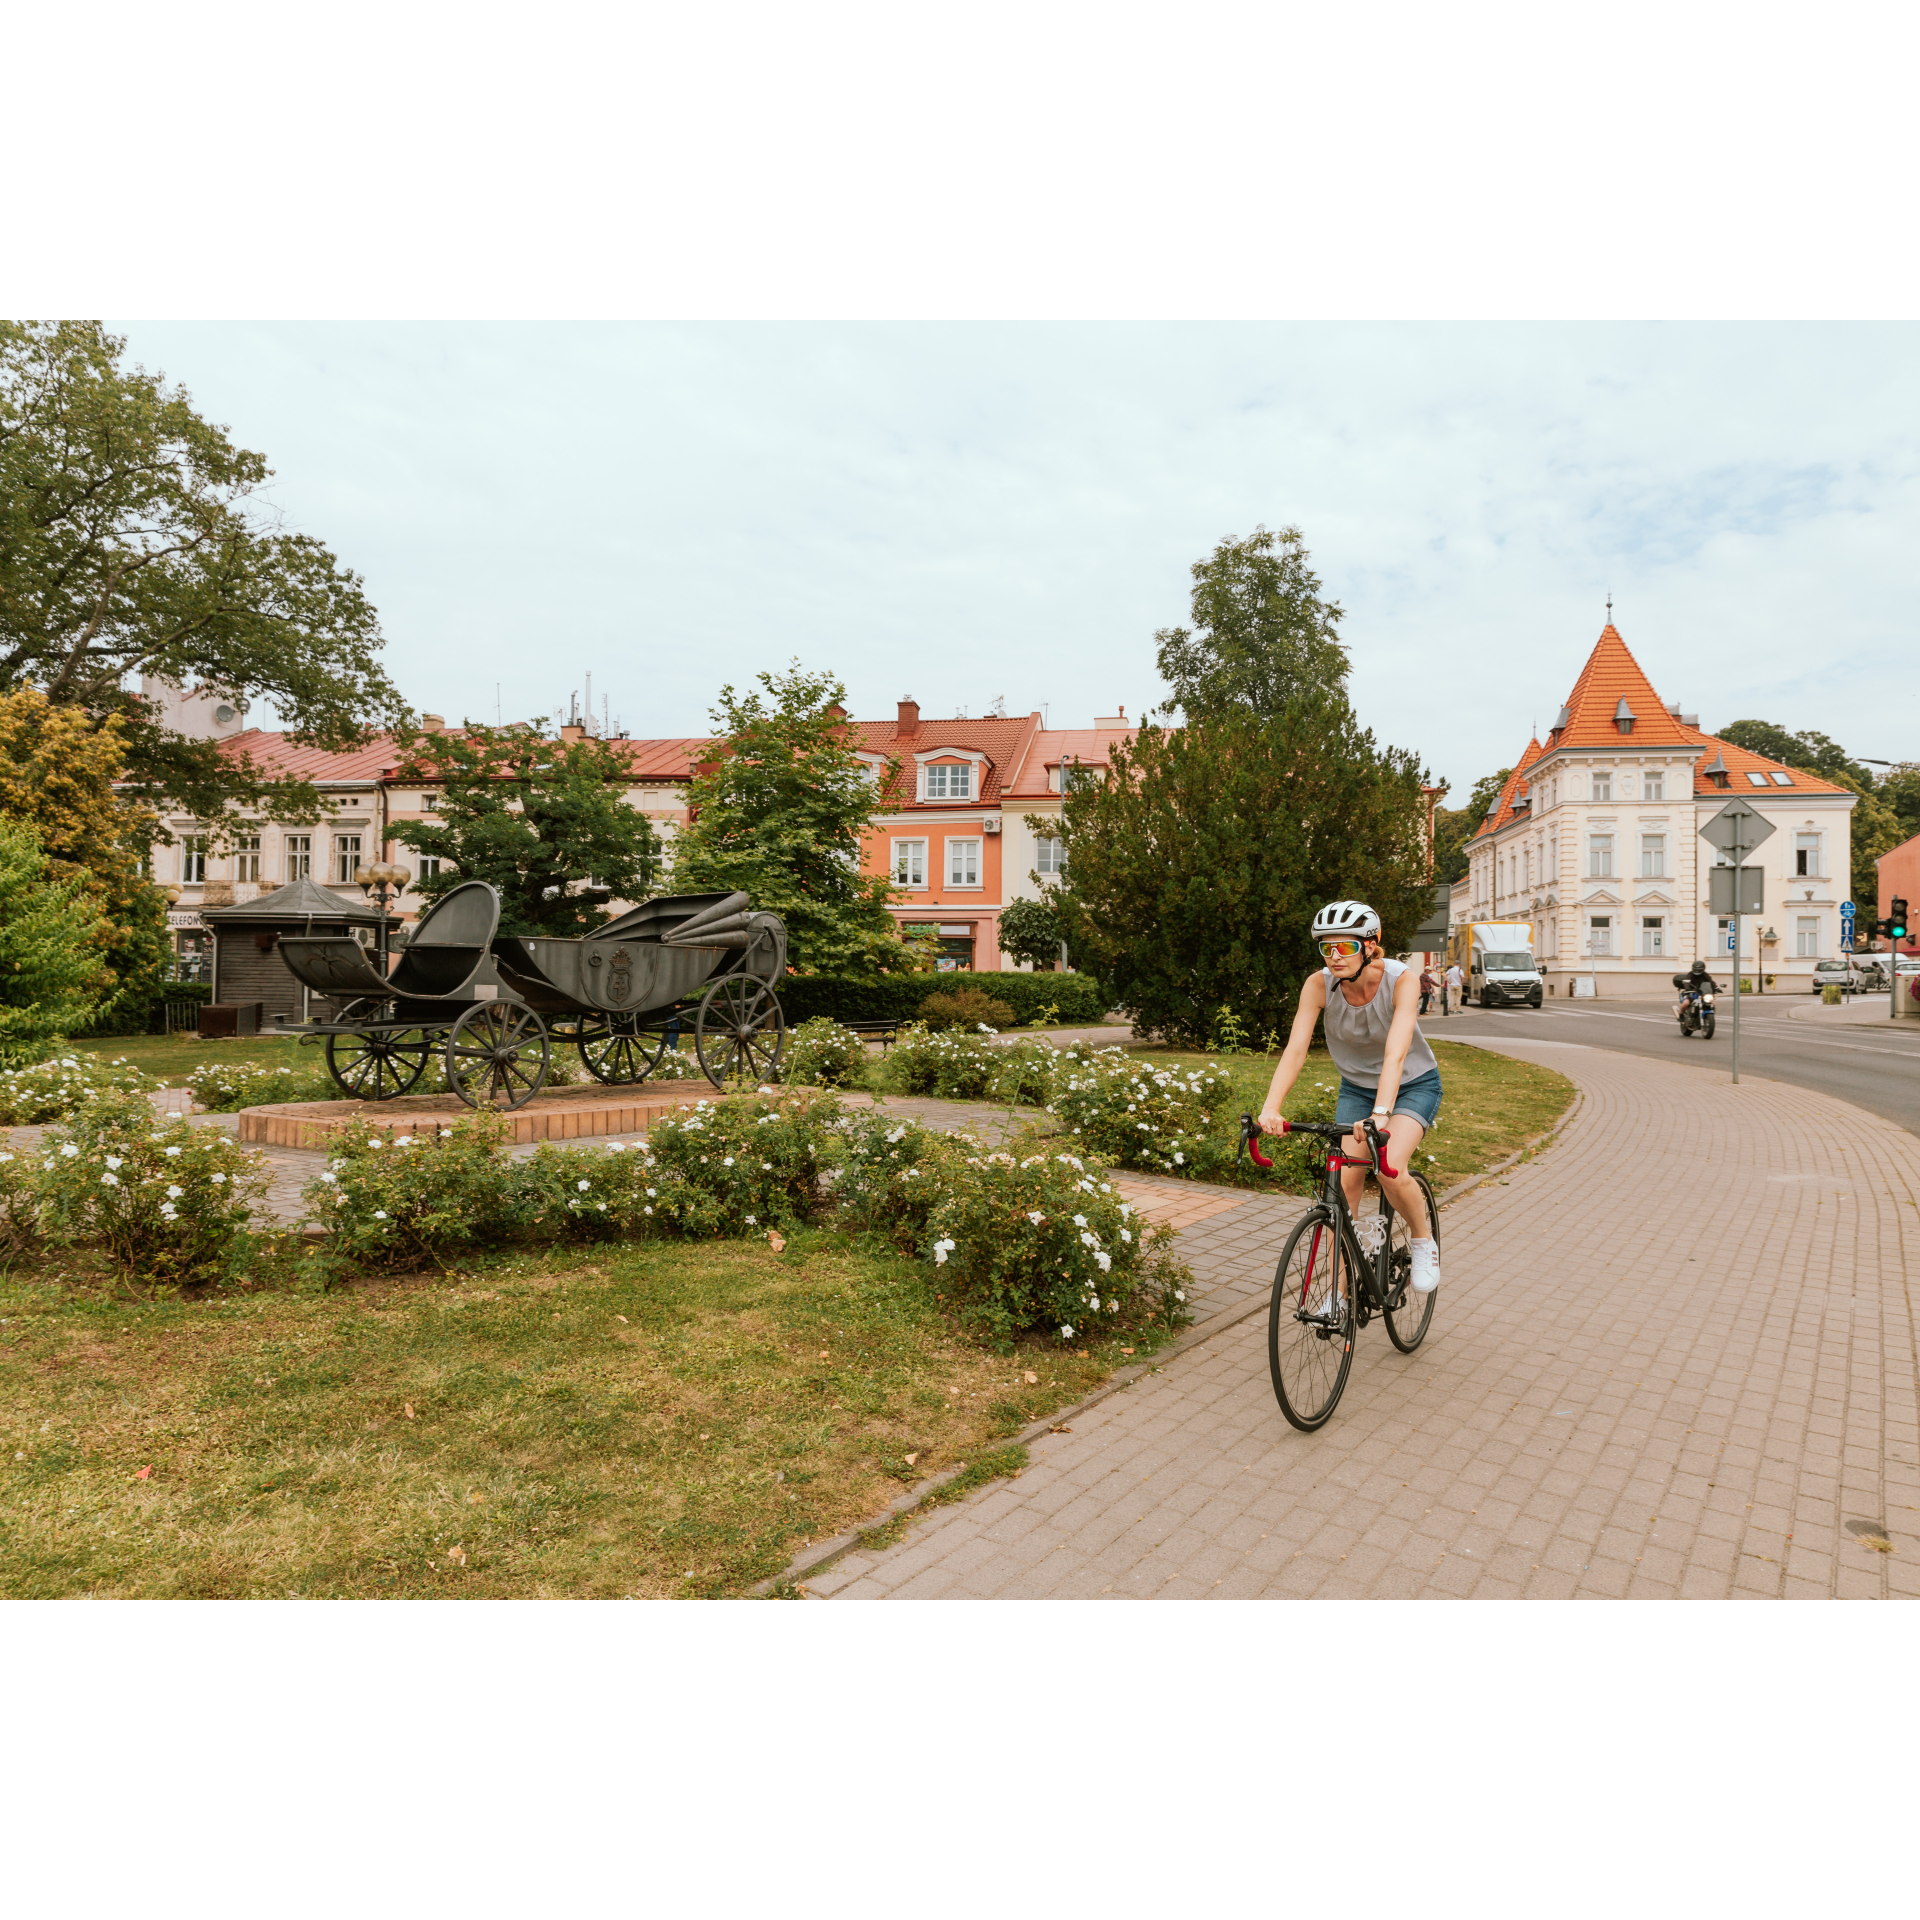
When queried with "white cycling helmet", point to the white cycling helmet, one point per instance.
{"points": [[1352, 919]]}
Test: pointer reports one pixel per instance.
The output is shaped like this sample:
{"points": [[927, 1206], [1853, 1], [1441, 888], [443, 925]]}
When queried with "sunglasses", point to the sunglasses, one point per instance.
{"points": [[1342, 949]]}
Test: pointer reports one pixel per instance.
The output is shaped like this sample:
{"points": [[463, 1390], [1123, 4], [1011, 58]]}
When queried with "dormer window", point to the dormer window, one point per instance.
{"points": [[950, 783], [1715, 771], [1623, 716], [1756, 779]]}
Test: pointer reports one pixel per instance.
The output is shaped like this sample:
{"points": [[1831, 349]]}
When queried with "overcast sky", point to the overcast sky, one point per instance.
{"points": [[968, 511]]}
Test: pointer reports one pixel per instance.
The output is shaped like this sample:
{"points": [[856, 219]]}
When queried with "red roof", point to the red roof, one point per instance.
{"points": [[1740, 763], [1611, 675], [274, 754], [1003, 743]]}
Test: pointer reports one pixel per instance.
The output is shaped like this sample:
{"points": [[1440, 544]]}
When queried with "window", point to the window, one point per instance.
{"points": [[1047, 857], [1653, 934], [428, 868], [1653, 786], [246, 857], [1806, 938], [346, 857], [909, 863], [1077, 776], [1653, 856], [963, 863], [1600, 856], [1783, 779], [949, 783], [299, 856], [1602, 786], [1806, 854], [1600, 933], [193, 859], [1756, 779]]}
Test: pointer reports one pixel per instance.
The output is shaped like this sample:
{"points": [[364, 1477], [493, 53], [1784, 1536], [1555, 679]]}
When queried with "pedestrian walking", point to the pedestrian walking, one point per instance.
{"points": [[1429, 985], [1451, 986]]}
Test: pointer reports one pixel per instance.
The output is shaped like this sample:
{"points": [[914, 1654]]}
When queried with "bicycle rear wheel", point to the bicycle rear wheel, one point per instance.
{"points": [[1309, 1358], [1407, 1323]]}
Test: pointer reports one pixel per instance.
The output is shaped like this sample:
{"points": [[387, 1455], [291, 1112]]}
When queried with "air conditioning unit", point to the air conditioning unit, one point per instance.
{"points": [[989, 826]]}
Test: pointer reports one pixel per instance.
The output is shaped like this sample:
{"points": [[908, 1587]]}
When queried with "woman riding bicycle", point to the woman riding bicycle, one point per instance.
{"points": [[1373, 1034]]}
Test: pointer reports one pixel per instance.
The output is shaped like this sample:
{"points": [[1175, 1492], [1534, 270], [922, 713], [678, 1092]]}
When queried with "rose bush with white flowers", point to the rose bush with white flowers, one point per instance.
{"points": [[164, 1200], [1135, 1113], [59, 1087], [822, 1053], [955, 1065], [1038, 1241], [618, 1191], [416, 1199], [225, 1086], [759, 1158], [889, 1175]]}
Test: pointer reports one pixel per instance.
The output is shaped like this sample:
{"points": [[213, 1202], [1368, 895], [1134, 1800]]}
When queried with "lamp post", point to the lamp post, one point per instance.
{"points": [[380, 882]]}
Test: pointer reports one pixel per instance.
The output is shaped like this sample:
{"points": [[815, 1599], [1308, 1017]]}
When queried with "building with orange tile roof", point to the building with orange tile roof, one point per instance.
{"points": [[1594, 841]]}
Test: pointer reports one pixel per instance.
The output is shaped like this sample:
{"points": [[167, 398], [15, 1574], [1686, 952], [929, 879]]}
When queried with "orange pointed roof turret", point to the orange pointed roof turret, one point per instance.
{"points": [[1613, 700]]}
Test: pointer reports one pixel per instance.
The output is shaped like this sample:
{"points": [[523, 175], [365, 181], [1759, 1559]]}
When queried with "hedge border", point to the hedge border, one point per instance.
{"points": [[1079, 996]]}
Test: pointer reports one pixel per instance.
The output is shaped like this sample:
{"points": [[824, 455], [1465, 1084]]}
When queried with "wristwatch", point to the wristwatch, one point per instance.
{"points": [[1388, 1111]]}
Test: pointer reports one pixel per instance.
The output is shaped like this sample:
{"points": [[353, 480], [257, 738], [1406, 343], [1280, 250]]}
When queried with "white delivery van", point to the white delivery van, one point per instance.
{"points": [[1497, 958]]}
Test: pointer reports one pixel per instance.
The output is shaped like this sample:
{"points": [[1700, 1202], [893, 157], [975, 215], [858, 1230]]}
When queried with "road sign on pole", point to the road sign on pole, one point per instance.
{"points": [[1846, 926], [1736, 830]]}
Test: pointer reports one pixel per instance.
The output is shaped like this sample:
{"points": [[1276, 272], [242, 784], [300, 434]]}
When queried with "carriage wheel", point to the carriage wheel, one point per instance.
{"points": [[617, 1050], [739, 1029], [378, 1066], [497, 1054]]}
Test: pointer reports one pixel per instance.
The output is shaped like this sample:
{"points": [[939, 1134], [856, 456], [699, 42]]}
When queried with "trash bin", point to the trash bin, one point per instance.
{"points": [[235, 1020]]}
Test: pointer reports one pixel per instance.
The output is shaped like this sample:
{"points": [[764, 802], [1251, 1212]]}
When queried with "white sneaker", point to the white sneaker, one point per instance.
{"points": [[1370, 1229], [1426, 1264]]}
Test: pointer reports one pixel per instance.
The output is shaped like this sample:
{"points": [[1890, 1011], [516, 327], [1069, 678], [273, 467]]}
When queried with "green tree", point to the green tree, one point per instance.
{"points": [[1900, 788], [1261, 633], [133, 540], [1031, 930], [1194, 872], [780, 813], [1873, 829], [1453, 827], [545, 821], [52, 977]]}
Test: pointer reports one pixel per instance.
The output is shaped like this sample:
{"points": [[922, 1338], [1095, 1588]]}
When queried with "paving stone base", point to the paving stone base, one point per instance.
{"points": [[567, 1113]]}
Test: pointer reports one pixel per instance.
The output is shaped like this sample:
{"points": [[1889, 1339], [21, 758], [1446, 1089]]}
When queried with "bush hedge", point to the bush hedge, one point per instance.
{"points": [[1079, 997]]}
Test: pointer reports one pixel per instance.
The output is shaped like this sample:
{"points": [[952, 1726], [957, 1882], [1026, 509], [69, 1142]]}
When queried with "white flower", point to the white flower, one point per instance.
{"points": [[1079, 1219], [647, 1209], [941, 1248], [405, 1140], [109, 1179], [219, 1179], [1178, 1294], [70, 1152], [616, 1146], [1093, 1300], [115, 1162], [583, 1185], [1126, 1236], [1179, 1159], [1066, 1333], [751, 1221], [380, 1216], [168, 1211], [1037, 1218], [446, 1133], [174, 1193], [652, 1194], [766, 1166], [1105, 1260]]}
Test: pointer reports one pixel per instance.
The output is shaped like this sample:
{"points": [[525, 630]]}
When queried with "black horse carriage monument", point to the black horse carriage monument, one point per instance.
{"points": [[492, 1004]]}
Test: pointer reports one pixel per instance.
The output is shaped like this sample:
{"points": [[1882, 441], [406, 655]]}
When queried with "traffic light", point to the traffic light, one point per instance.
{"points": [[1897, 919]]}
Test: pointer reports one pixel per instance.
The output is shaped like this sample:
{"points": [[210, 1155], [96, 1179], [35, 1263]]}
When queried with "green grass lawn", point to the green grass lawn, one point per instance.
{"points": [[1494, 1104], [642, 1420], [172, 1056]]}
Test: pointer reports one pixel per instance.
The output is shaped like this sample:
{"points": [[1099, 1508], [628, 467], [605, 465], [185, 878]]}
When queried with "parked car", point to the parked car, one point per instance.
{"points": [[1855, 974]]}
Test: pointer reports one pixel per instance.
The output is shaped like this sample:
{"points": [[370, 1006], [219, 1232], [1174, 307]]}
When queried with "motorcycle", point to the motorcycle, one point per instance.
{"points": [[1695, 1008]]}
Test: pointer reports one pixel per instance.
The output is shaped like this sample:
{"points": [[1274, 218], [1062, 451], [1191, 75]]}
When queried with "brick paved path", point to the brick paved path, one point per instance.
{"points": [[1674, 1356]]}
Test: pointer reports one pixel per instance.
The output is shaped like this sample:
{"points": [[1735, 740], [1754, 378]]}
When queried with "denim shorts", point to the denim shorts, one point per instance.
{"points": [[1419, 1097]]}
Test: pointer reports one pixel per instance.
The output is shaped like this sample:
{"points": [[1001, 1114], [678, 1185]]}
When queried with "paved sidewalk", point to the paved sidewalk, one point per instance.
{"points": [[1674, 1356]]}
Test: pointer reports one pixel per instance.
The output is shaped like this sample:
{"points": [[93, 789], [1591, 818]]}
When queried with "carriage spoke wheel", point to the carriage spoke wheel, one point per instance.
{"points": [[497, 1055], [739, 1031], [617, 1050], [377, 1066]]}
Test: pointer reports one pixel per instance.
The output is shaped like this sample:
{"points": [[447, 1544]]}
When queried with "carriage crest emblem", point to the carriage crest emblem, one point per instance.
{"points": [[620, 977]]}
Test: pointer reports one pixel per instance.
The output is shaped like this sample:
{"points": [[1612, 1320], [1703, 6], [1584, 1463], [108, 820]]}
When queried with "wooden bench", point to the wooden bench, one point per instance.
{"points": [[885, 1031]]}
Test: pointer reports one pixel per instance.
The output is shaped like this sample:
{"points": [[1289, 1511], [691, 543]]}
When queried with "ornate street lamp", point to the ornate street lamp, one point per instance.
{"points": [[381, 882]]}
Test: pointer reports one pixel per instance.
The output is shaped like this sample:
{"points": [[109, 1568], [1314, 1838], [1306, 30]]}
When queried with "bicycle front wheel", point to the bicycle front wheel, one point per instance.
{"points": [[1309, 1356], [1409, 1314]]}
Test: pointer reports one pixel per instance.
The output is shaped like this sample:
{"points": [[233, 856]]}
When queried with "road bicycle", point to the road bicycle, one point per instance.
{"points": [[1325, 1289]]}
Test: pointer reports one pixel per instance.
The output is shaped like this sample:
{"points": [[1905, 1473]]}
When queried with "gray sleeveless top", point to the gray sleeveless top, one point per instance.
{"points": [[1357, 1036]]}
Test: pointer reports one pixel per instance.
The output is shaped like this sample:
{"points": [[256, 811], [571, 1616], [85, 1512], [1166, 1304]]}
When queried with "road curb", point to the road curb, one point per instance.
{"points": [[822, 1554]]}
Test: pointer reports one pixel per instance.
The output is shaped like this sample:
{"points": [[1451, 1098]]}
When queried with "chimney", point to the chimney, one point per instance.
{"points": [[909, 723], [433, 722], [1112, 722], [572, 731]]}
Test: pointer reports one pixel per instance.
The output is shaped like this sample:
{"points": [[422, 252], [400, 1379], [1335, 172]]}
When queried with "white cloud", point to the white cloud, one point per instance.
{"points": [[961, 511]]}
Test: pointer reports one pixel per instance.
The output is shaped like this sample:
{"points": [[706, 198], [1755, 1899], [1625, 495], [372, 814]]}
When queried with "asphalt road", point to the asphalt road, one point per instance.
{"points": [[1875, 1067]]}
